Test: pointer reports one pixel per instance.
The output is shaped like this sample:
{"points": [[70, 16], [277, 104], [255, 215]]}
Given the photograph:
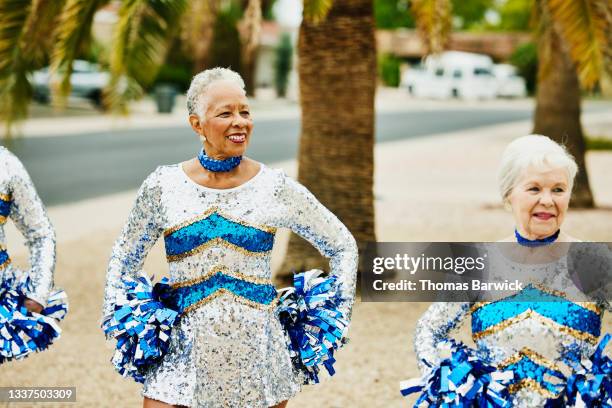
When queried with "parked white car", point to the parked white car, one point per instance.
{"points": [[87, 81], [452, 74], [509, 83]]}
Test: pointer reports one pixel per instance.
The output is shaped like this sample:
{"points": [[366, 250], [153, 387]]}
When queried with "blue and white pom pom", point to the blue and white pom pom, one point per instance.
{"points": [[590, 384], [316, 327], [21, 331], [141, 324], [462, 381]]}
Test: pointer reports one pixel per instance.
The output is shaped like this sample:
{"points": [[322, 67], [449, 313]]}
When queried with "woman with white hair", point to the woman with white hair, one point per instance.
{"points": [[529, 345], [214, 334]]}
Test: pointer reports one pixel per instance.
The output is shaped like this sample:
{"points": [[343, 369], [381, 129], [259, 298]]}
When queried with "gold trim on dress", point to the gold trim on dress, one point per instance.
{"points": [[532, 385], [221, 268], [213, 210], [219, 242], [2, 219], [239, 299], [5, 197], [533, 356], [592, 306], [529, 313]]}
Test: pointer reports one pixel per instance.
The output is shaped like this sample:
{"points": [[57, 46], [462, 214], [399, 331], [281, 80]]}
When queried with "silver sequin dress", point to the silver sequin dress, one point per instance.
{"points": [[20, 203], [226, 350], [534, 339]]}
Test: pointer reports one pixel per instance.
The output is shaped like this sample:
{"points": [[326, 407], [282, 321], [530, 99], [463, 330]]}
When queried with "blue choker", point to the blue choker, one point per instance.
{"points": [[215, 165], [536, 242]]}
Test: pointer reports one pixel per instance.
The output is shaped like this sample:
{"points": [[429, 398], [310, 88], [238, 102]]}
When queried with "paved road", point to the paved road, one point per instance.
{"points": [[71, 168]]}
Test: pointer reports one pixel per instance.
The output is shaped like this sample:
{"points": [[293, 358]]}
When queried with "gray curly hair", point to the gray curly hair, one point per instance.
{"points": [[200, 83]]}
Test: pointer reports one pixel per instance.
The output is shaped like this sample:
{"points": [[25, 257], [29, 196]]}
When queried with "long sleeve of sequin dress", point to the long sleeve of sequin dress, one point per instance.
{"points": [[308, 218], [434, 327], [139, 234], [20, 202]]}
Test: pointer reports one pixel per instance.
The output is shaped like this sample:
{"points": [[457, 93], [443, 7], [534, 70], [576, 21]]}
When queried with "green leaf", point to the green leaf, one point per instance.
{"points": [[74, 30], [15, 89], [585, 28], [140, 43]]}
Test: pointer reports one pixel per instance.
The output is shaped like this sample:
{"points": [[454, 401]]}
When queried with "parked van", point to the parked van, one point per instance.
{"points": [[509, 83], [452, 74]]}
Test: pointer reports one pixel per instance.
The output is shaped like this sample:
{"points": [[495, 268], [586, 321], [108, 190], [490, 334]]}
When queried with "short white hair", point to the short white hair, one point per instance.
{"points": [[201, 82], [533, 151]]}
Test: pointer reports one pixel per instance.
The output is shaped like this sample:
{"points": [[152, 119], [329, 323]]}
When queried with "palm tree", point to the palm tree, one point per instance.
{"points": [[337, 78], [26, 29], [573, 39], [32, 32]]}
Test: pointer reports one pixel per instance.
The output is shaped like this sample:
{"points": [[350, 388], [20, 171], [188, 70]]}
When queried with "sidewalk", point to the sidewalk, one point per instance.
{"points": [[437, 188]]}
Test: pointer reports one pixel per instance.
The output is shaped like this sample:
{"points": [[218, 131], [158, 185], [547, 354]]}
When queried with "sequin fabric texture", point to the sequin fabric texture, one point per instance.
{"points": [[535, 332], [20, 203], [228, 348]]}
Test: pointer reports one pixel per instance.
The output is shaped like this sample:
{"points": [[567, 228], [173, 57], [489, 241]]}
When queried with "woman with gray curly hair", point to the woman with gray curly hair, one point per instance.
{"points": [[214, 334]]}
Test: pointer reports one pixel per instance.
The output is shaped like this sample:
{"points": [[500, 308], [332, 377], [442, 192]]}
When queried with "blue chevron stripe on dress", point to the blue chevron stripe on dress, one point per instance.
{"points": [[531, 370], [255, 292], [216, 229], [577, 319]]}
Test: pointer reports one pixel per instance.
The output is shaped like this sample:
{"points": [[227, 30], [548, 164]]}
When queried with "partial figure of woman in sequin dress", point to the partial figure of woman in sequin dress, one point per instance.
{"points": [[30, 307], [535, 343], [218, 214]]}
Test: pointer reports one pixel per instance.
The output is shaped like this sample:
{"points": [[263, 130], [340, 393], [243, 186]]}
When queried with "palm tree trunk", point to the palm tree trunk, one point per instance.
{"points": [[337, 71], [558, 109], [250, 31]]}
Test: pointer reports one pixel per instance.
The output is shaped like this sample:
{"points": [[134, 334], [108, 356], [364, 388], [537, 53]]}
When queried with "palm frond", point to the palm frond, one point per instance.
{"points": [[15, 89], [13, 15], [584, 29], [142, 37], [15, 97], [197, 29], [39, 30], [315, 11], [433, 20], [74, 29]]}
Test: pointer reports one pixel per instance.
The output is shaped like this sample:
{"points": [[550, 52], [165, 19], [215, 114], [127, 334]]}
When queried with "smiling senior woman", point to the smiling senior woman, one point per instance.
{"points": [[536, 177], [527, 343], [214, 335]]}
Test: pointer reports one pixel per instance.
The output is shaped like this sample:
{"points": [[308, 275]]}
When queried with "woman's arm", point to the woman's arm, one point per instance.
{"points": [[308, 218], [30, 218], [434, 327], [139, 234]]}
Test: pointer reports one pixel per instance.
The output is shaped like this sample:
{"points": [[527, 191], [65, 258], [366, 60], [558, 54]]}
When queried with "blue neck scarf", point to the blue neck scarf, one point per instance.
{"points": [[535, 242], [215, 165]]}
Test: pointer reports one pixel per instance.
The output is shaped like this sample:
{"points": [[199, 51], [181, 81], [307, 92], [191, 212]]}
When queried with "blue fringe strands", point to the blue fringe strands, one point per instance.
{"points": [[21, 331], [316, 327], [461, 381], [141, 324], [590, 384]]}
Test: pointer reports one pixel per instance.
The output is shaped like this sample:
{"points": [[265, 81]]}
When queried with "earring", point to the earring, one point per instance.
{"points": [[202, 138]]}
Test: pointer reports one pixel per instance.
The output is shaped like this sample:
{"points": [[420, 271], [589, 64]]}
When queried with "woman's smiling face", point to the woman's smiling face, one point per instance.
{"points": [[539, 201], [227, 122]]}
